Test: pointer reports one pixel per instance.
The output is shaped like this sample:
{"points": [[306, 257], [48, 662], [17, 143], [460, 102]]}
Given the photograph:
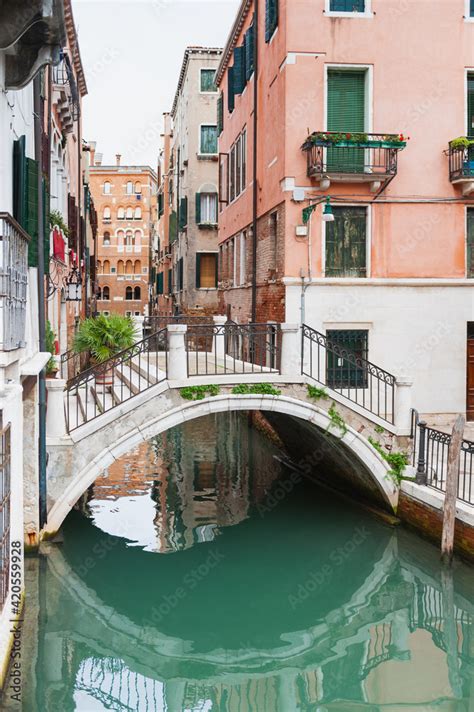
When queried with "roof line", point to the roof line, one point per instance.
{"points": [[187, 52], [74, 44], [242, 13]]}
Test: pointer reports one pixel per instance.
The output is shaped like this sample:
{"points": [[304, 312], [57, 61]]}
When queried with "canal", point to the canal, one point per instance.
{"points": [[202, 573]]}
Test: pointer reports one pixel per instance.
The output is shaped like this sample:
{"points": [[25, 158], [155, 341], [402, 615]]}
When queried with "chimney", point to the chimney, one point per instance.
{"points": [[118, 156], [92, 146], [98, 159]]}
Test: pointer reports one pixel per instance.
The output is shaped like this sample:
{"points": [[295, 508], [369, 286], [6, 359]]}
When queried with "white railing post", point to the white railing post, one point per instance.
{"points": [[218, 344], [290, 364], [177, 361], [55, 418], [403, 404]]}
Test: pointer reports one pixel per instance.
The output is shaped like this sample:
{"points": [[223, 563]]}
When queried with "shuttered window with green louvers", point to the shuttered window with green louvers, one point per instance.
{"points": [[220, 114], [249, 43], [239, 70], [470, 104], [271, 18], [347, 6], [346, 114], [470, 244], [19, 180], [160, 283], [170, 281], [346, 243], [160, 204], [173, 227], [180, 274], [31, 209], [230, 90], [47, 230], [183, 213]]}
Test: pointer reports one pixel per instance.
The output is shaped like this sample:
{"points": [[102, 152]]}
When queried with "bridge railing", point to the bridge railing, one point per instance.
{"points": [[348, 373], [106, 385]]}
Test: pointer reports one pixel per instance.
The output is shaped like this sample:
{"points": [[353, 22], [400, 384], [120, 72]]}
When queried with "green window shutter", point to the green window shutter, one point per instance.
{"points": [[198, 208], [230, 90], [471, 9], [173, 227], [249, 51], [47, 231], [347, 6], [198, 270], [183, 213], [180, 274], [19, 180], [346, 113], [346, 243], [271, 18], [239, 70], [160, 204], [470, 103], [170, 281], [220, 114], [31, 217], [160, 283], [470, 243]]}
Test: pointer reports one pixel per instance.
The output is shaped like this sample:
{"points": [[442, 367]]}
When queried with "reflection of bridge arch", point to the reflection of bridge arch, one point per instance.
{"points": [[98, 445]]}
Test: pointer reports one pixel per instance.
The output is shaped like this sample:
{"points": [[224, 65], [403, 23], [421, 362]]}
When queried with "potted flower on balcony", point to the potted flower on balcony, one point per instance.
{"points": [[466, 145], [104, 337], [354, 139], [50, 339]]}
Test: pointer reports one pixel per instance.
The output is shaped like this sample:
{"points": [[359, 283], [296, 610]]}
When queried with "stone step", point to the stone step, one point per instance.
{"points": [[148, 370], [135, 379]]}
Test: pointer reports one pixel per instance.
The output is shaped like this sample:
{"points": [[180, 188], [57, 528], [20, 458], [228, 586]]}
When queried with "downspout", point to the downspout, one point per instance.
{"points": [[304, 285], [38, 130], [255, 166]]}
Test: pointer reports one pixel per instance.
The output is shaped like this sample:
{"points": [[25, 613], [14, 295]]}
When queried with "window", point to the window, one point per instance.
{"points": [[106, 267], [106, 215], [138, 187], [220, 114], [208, 80], [346, 112], [471, 8], [106, 238], [206, 208], [128, 313], [346, 243], [249, 43], [129, 294], [137, 268], [137, 294], [106, 294], [243, 257], [107, 188], [347, 5], [121, 214], [208, 142], [470, 244], [106, 313], [470, 104], [347, 372], [120, 267], [129, 239], [271, 18], [129, 267], [273, 237], [129, 213], [138, 213], [129, 188], [238, 166], [206, 270]]}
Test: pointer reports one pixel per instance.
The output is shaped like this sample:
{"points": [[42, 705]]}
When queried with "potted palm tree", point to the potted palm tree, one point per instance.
{"points": [[104, 337]]}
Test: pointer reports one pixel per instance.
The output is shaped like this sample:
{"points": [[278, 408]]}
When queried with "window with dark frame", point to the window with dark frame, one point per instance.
{"points": [[346, 243], [208, 77], [349, 372]]}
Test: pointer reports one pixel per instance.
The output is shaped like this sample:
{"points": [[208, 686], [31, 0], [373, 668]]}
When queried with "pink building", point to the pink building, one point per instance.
{"points": [[341, 86]]}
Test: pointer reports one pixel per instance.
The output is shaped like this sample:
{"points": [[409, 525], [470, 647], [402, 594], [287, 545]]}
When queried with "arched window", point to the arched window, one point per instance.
{"points": [[106, 269], [137, 294], [106, 294], [137, 237], [129, 213], [138, 187], [106, 238], [99, 294], [129, 239], [106, 215], [137, 269], [120, 268], [129, 188], [138, 213], [121, 214], [107, 188], [120, 237], [129, 293], [129, 267], [99, 267]]}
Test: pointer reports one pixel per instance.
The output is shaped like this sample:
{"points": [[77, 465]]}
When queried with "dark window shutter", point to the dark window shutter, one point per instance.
{"points": [[470, 102], [249, 51], [19, 181], [198, 208], [230, 90], [160, 204], [271, 18], [220, 114], [47, 231], [239, 70], [160, 283], [472, 9], [470, 243], [173, 227], [183, 213], [346, 112], [198, 270], [31, 219], [346, 243], [180, 274], [347, 6], [170, 281]]}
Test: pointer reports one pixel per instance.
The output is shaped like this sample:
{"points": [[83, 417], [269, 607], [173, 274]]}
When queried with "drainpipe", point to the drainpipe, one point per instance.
{"points": [[255, 166], [38, 115]]}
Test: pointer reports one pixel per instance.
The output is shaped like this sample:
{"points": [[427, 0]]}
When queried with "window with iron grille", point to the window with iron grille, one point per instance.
{"points": [[350, 372], [346, 243]]}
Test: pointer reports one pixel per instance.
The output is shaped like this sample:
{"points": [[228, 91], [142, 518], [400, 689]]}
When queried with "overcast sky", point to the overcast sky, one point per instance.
{"points": [[132, 52]]}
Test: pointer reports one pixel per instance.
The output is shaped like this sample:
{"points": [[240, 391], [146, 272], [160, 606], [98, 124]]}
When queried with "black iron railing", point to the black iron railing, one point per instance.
{"points": [[233, 348], [105, 386], [348, 373], [461, 159], [375, 156], [73, 363], [5, 479], [430, 457]]}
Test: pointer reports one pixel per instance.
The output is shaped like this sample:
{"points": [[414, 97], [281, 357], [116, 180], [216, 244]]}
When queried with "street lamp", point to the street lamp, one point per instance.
{"points": [[73, 285], [328, 215]]}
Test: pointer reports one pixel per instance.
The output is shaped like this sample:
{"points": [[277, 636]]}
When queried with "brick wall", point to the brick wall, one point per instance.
{"points": [[235, 271]]}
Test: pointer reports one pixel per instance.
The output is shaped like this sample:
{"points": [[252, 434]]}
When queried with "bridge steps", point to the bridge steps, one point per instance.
{"points": [[150, 371]]}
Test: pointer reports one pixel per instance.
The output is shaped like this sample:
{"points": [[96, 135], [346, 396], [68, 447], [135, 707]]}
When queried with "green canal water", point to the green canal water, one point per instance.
{"points": [[201, 574]]}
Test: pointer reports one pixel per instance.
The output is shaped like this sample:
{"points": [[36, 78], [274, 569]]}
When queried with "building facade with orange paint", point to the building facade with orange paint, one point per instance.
{"points": [[125, 200], [341, 87]]}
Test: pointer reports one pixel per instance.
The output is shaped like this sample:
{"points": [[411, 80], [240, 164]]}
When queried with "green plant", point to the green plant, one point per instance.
{"points": [[379, 429], [316, 393], [104, 336], [50, 339], [195, 393], [264, 389], [337, 421], [397, 461], [57, 220], [461, 142]]}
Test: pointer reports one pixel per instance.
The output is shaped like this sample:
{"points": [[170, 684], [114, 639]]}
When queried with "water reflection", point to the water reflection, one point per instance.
{"points": [[262, 603]]}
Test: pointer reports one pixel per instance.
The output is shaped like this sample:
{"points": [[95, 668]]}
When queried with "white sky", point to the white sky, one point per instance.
{"points": [[132, 52]]}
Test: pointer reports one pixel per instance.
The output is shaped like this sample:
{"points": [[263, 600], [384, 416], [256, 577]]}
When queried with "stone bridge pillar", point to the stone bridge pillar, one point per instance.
{"points": [[218, 345], [403, 404], [290, 350], [55, 418], [177, 361]]}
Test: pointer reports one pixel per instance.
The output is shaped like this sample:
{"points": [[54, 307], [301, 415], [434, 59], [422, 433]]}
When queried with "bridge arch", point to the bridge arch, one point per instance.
{"points": [[92, 455]]}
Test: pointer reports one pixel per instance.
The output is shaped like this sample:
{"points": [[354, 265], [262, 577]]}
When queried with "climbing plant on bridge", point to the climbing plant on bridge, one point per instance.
{"points": [[195, 393], [316, 393], [264, 389], [397, 461]]}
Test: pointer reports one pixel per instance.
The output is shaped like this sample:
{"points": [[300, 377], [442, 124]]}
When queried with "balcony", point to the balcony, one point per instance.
{"points": [[353, 158], [13, 283], [461, 163]]}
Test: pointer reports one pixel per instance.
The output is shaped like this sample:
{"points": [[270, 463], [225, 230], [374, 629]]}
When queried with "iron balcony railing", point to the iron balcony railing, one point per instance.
{"points": [[348, 373], [430, 458], [13, 282], [329, 154], [5, 480], [107, 385], [461, 159], [231, 348]]}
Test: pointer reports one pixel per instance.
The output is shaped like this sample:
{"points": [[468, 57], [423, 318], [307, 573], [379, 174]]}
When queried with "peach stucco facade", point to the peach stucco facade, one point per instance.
{"points": [[416, 287]]}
